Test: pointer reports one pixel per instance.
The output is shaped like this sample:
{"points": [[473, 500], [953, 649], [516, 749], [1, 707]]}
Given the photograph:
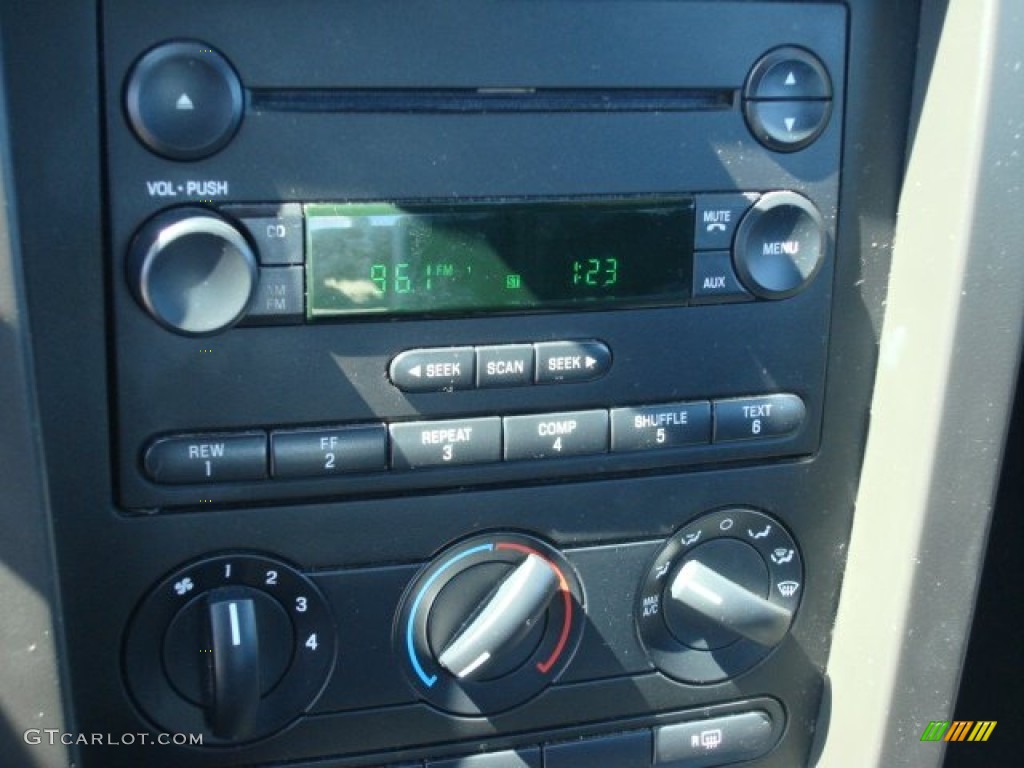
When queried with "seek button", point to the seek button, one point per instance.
{"points": [[572, 361], [434, 370]]}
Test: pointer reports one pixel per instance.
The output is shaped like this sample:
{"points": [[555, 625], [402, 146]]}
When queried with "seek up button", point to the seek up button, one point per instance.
{"points": [[572, 361]]}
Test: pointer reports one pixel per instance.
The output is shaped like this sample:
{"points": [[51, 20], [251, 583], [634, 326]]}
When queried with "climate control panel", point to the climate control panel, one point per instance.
{"points": [[237, 646]]}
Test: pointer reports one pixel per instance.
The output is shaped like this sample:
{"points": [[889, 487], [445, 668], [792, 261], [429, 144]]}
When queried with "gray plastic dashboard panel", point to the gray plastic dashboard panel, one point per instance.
{"points": [[335, 373], [106, 561], [31, 694]]}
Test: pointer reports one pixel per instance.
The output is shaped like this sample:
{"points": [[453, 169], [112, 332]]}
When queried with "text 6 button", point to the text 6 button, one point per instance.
{"points": [[758, 418]]}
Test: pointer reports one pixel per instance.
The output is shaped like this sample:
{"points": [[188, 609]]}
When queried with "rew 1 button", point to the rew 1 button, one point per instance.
{"points": [[207, 458], [434, 370]]}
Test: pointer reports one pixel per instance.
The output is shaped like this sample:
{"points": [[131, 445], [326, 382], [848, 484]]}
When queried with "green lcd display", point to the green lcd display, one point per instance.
{"points": [[425, 259]]}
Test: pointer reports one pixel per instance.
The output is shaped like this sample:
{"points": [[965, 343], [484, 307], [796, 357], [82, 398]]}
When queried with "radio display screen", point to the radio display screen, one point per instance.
{"points": [[463, 258]]}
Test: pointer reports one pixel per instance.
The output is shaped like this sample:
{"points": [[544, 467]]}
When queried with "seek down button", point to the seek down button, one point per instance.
{"points": [[434, 370]]}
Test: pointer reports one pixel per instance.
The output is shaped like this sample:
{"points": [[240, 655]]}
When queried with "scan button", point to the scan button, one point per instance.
{"points": [[508, 365]]}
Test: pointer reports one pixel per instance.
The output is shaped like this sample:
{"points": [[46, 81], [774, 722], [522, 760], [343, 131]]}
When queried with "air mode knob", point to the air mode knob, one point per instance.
{"points": [[720, 595], [192, 271]]}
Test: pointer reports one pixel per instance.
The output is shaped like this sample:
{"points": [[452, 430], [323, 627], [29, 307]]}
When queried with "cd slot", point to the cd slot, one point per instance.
{"points": [[490, 100]]}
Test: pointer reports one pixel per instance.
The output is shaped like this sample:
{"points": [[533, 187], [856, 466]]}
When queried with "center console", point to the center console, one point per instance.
{"points": [[469, 383]]}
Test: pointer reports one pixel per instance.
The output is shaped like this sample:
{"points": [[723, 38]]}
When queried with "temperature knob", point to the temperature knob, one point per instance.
{"points": [[489, 623], [192, 271], [720, 596], [233, 647]]}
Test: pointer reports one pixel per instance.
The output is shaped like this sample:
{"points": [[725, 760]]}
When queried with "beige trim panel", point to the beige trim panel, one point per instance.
{"points": [[951, 342]]}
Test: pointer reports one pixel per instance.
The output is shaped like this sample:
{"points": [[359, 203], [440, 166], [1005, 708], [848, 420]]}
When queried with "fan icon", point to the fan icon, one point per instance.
{"points": [[184, 586]]}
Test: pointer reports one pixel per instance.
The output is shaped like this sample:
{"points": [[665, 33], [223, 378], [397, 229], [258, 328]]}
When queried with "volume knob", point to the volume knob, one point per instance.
{"points": [[192, 271]]}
